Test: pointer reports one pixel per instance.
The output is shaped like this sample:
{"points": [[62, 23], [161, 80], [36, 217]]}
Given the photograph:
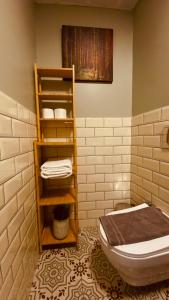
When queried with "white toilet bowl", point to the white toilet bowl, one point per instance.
{"points": [[140, 263]]}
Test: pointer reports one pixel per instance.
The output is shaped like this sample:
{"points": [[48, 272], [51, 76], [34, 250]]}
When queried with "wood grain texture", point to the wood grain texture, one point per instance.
{"points": [[90, 50]]}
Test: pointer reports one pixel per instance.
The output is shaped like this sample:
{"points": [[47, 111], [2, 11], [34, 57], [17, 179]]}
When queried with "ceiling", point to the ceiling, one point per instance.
{"points": [[116, 4]]}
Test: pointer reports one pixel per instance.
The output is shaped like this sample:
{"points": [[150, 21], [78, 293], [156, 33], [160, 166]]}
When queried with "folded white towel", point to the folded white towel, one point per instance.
{"points": [[57, 164], [56, 169], [59, 175]]}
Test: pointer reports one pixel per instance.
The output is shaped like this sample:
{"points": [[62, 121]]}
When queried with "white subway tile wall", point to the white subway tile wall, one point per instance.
{"points": [[18, 226], [150, 160], [104, 156], [119, 160]]}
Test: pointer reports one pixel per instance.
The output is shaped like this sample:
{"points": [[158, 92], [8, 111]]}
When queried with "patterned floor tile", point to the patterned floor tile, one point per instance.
{"points": [[85, 291], [86, 274]]}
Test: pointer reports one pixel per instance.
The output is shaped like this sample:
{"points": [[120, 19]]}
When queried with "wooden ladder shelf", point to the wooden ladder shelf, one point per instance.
{"points": [[55, 88]]}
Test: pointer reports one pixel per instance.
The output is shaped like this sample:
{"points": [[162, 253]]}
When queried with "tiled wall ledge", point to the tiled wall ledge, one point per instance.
{"points": [[150, 158], [18, 229], [104, 156]]}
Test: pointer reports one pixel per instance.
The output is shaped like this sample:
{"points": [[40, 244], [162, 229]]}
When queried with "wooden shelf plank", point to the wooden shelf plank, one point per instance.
{"points": [[55, 96], [52, 72], [49, 239], [64, 120], [55, 144], [54, 197]]}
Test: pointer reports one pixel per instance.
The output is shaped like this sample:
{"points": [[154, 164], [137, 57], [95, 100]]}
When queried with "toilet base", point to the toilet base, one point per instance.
{"points": [[139, 272]]}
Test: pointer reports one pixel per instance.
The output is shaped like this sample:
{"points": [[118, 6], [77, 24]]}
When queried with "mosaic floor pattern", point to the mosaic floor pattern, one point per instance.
{"points": [[86, 274]]}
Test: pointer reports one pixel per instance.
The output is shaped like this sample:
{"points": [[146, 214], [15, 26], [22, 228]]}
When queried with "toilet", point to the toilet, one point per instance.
{"points": [[140, 263]]}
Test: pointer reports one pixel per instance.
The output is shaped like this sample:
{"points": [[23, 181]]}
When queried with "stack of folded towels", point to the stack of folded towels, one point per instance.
{"points": [[56, 169]]}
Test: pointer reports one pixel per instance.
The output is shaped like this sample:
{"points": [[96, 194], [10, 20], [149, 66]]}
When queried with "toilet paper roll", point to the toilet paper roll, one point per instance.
{"points": [[47, 113], [60, 113]]}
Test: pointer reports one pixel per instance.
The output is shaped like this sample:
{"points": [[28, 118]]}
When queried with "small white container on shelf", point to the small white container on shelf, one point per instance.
{"points": [[60, 113], [47, 113], [61, 221], [60, 228]]}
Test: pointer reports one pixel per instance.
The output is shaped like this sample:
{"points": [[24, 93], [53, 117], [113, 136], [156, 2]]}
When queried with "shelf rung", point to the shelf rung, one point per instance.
{"points": [[55, 144], [62, 73], [53, 96], [56, 197], [64, 120]]}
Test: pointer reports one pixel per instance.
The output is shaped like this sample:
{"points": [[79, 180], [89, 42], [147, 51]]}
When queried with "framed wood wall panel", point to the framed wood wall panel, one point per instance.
{"points": [[90, 50]]}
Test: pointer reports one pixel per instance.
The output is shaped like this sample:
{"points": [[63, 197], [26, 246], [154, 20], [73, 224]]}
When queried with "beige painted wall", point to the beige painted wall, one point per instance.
{"points": [[93, 100], [151, 55], [17, 50]]}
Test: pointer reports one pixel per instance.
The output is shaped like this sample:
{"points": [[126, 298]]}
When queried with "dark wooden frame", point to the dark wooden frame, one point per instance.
{"points": [[90, 50]]}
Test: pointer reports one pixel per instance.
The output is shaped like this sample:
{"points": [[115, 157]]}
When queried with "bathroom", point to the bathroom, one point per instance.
{"points": [[122, 148]]}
